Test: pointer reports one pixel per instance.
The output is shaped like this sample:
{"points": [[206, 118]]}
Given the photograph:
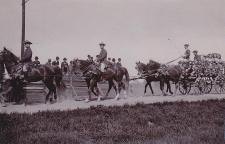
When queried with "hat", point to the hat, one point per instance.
{"points": [[186, 45], [102, 43], [113, 59], [57, 57], [27, 42], [119, 58], [36, 57], [65, 59], [97, 55], [109, 58], [49, 60], [88, 56], [195, 51]]}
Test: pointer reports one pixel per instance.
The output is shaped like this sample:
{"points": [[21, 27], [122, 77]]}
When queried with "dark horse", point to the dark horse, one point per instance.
{"points": [[93, 75], [46, 73], [148, 71]]}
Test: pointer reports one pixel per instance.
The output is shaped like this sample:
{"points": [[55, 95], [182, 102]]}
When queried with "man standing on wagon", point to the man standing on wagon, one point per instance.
{"points": [[187, 52]]}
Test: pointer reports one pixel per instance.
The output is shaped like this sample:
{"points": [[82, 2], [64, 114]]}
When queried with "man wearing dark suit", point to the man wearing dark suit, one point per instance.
{"points": [[64, 66], [56, 62]]}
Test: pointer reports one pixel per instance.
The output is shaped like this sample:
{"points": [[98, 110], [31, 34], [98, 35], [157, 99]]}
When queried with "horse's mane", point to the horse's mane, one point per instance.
{"points": [[11, 55]]}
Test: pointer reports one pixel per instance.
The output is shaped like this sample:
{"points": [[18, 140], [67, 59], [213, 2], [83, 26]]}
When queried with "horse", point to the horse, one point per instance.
{"points": [[143, 69], [45, 73], [170, 73], [93, 75]]}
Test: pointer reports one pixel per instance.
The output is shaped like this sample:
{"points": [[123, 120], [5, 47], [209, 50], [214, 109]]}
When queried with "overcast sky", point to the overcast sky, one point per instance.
{"points": [[132, 29]]}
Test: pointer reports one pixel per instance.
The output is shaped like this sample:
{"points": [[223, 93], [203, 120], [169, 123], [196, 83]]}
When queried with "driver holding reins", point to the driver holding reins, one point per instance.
{"points": [[26, 59]]}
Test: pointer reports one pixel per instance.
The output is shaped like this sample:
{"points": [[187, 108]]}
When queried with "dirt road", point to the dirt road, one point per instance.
{"points": [[71, 104]]}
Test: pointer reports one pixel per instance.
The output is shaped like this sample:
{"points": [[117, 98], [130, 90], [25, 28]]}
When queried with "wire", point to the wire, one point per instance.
{"points": [[175, 46]]}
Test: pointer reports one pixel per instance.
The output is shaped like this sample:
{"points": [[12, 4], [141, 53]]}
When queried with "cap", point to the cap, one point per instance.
{"points": [[27, 42], [102, 44], [186, 45], [57, 57], [65, 59], [36, 57]]}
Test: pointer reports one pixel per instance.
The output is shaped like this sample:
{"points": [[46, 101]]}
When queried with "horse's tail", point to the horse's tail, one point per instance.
{"points": [[127, 77], [58, 76]]}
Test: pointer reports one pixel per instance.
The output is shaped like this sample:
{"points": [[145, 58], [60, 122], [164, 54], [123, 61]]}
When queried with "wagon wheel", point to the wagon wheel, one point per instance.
{"points": [[199, 86], [219, 84], [184, 88], [208, 84]]}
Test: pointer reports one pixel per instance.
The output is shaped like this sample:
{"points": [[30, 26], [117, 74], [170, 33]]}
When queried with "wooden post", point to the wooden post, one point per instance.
{"points": [[23, 28]]}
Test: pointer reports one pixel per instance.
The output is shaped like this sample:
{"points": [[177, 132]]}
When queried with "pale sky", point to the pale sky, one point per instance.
{"points": [[132, 29]]}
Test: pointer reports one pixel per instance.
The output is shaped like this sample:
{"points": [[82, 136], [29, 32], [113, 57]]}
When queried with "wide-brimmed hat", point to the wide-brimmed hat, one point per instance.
{"points": [[27, 42], [186, 45], [65, 59], [36, 57], [102, 44]]}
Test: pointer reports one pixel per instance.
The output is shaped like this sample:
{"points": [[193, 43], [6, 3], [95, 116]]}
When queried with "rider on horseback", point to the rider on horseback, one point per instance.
{"points": [[26, 59], [102, 58]]}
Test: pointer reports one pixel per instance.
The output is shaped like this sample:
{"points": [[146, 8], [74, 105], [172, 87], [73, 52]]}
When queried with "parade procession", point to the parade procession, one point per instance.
{"points": [[112, 72], [203, 73]]}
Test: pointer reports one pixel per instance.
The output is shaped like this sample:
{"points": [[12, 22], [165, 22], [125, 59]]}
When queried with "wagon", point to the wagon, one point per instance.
{"points": [[201, 85]]}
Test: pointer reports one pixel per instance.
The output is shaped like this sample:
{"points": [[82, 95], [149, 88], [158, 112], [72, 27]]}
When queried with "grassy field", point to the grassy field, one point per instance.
{"points": [[168, 122]]}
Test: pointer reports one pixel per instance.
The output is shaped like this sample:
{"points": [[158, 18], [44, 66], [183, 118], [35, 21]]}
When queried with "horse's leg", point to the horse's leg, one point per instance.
{"points": [[146, 85], [176, 87], [162, 81], [110, 86], [150, 86], [168, 86], [97, 92], [114, 86], [119, 89], [124, 90], [89, 91], [49, 88]]}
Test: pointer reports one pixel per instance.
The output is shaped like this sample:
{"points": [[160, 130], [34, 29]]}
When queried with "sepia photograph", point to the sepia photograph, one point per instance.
{"points": [[112, 71]]}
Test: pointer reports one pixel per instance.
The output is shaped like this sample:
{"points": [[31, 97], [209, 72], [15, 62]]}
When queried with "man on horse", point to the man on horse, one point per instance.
{"points": [[187, 52], [102, 58], [26, 59]]}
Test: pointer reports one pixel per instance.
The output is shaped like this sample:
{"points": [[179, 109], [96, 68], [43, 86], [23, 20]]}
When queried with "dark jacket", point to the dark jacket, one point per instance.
{"points": [[55, 63], [36, 62], [187, 54], [64, 64], [27, 56], [102, 56], [197, 57], [119, 64]]}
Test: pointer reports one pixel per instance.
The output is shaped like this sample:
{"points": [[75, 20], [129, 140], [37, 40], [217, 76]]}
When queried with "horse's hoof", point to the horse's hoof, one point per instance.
{"points": [[87, 101], [116, 99], [98, 100]]}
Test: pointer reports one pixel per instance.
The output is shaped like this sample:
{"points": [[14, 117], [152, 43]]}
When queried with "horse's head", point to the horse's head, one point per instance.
{"points": [[9, 59], [80, 65], [153, 65], [140, 67], [8, 56]]}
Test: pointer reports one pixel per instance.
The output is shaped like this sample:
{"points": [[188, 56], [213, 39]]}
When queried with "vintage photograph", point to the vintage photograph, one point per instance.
{"points": [[112, 71]]}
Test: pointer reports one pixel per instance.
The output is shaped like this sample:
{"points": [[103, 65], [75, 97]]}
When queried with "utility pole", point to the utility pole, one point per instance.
{"points": [[23, 28]]}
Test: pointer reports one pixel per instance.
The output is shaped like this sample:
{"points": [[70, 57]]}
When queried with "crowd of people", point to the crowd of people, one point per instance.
{"points": [[68, 68]]}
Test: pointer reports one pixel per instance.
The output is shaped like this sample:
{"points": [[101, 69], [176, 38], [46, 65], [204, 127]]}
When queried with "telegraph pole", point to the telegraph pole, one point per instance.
{"points": [[23, 28]]}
